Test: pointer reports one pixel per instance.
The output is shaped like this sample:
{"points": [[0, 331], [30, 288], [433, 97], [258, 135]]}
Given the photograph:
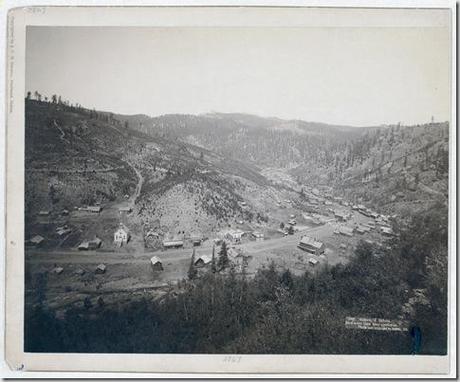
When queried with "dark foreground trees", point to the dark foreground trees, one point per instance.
{"points": [[277, 312]]}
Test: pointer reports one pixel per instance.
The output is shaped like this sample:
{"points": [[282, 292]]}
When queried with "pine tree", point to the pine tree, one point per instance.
{"points": [[286, 279], [223, 257], [192, 272], [213, 262]]}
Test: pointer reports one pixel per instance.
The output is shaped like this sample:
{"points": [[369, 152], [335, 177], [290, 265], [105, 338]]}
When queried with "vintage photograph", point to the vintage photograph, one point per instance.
{"points": [[237, 190]]}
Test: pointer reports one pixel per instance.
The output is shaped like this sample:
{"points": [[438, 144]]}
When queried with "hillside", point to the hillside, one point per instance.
{"points": [[266, 142], [202, 174], [77, 157], [72, 158], [395, 168]]}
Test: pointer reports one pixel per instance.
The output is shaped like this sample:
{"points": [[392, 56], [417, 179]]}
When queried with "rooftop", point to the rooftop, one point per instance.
{"points": [[306, 240]]}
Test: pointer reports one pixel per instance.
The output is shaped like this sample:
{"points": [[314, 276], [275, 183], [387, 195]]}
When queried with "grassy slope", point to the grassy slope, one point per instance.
{"points": [[76, 157], [72, 159]]}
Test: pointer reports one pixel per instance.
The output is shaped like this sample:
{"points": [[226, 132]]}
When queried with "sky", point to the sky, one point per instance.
{"points": [[347, 76]]}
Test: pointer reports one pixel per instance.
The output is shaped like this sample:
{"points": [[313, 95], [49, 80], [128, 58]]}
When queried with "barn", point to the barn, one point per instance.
{"points": [[311, 245]]}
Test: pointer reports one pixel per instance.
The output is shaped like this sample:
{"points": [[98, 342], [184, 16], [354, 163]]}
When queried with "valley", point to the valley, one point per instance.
{"points": [[198, 181]]}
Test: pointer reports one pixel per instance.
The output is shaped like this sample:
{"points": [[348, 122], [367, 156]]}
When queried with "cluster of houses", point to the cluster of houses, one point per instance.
{"points": [[46, 213], [233, 236], [38, 240], [121, 237], [362, 229], [203, 261], [100, 269]]}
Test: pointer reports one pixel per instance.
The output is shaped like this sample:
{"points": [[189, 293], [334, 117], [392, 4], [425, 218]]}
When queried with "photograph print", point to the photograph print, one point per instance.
{"points": [[237, 190]]}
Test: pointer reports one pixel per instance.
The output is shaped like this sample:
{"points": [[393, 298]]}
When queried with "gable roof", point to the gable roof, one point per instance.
{"points": [[37, 239], [154, 260], [205, 258], [306, 240]]}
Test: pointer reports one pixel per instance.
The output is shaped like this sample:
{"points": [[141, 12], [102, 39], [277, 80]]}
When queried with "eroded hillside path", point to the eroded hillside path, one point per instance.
{"points": [[140, 182]]}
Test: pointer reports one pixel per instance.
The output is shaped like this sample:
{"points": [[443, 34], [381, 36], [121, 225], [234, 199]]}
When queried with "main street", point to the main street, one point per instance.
{"points": [[116, 257]]}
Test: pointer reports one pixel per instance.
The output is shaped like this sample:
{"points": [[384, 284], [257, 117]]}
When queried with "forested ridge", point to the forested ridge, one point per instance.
{"points": [[275, 311]]}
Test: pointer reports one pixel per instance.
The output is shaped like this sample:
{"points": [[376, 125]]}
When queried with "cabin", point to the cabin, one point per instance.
{"points": [[125, 210], [362, 229], [202, 261], [259, 236], [58, 270], [196, 240], [90, 244], [100, 269], [121, 236], [37, 240], [313, 262], [84, 246], [95, 243], [340, 216], [292, 222], [311, 245], [386, 231], [44, 213], [65, 212], [346, 231], [156, 264], [94, 209], [173, 244], [63, 231]]}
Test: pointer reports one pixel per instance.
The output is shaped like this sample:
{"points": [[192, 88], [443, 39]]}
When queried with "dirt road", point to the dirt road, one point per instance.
{"points": [[113, 257]]}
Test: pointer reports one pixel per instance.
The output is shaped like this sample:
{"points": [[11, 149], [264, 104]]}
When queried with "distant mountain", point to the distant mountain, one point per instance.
{"points": [[388, 166], [267, 142]]}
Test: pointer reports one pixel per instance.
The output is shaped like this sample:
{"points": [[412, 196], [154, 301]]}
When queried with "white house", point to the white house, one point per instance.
{"points": [[235, 235], [121, 236]]}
